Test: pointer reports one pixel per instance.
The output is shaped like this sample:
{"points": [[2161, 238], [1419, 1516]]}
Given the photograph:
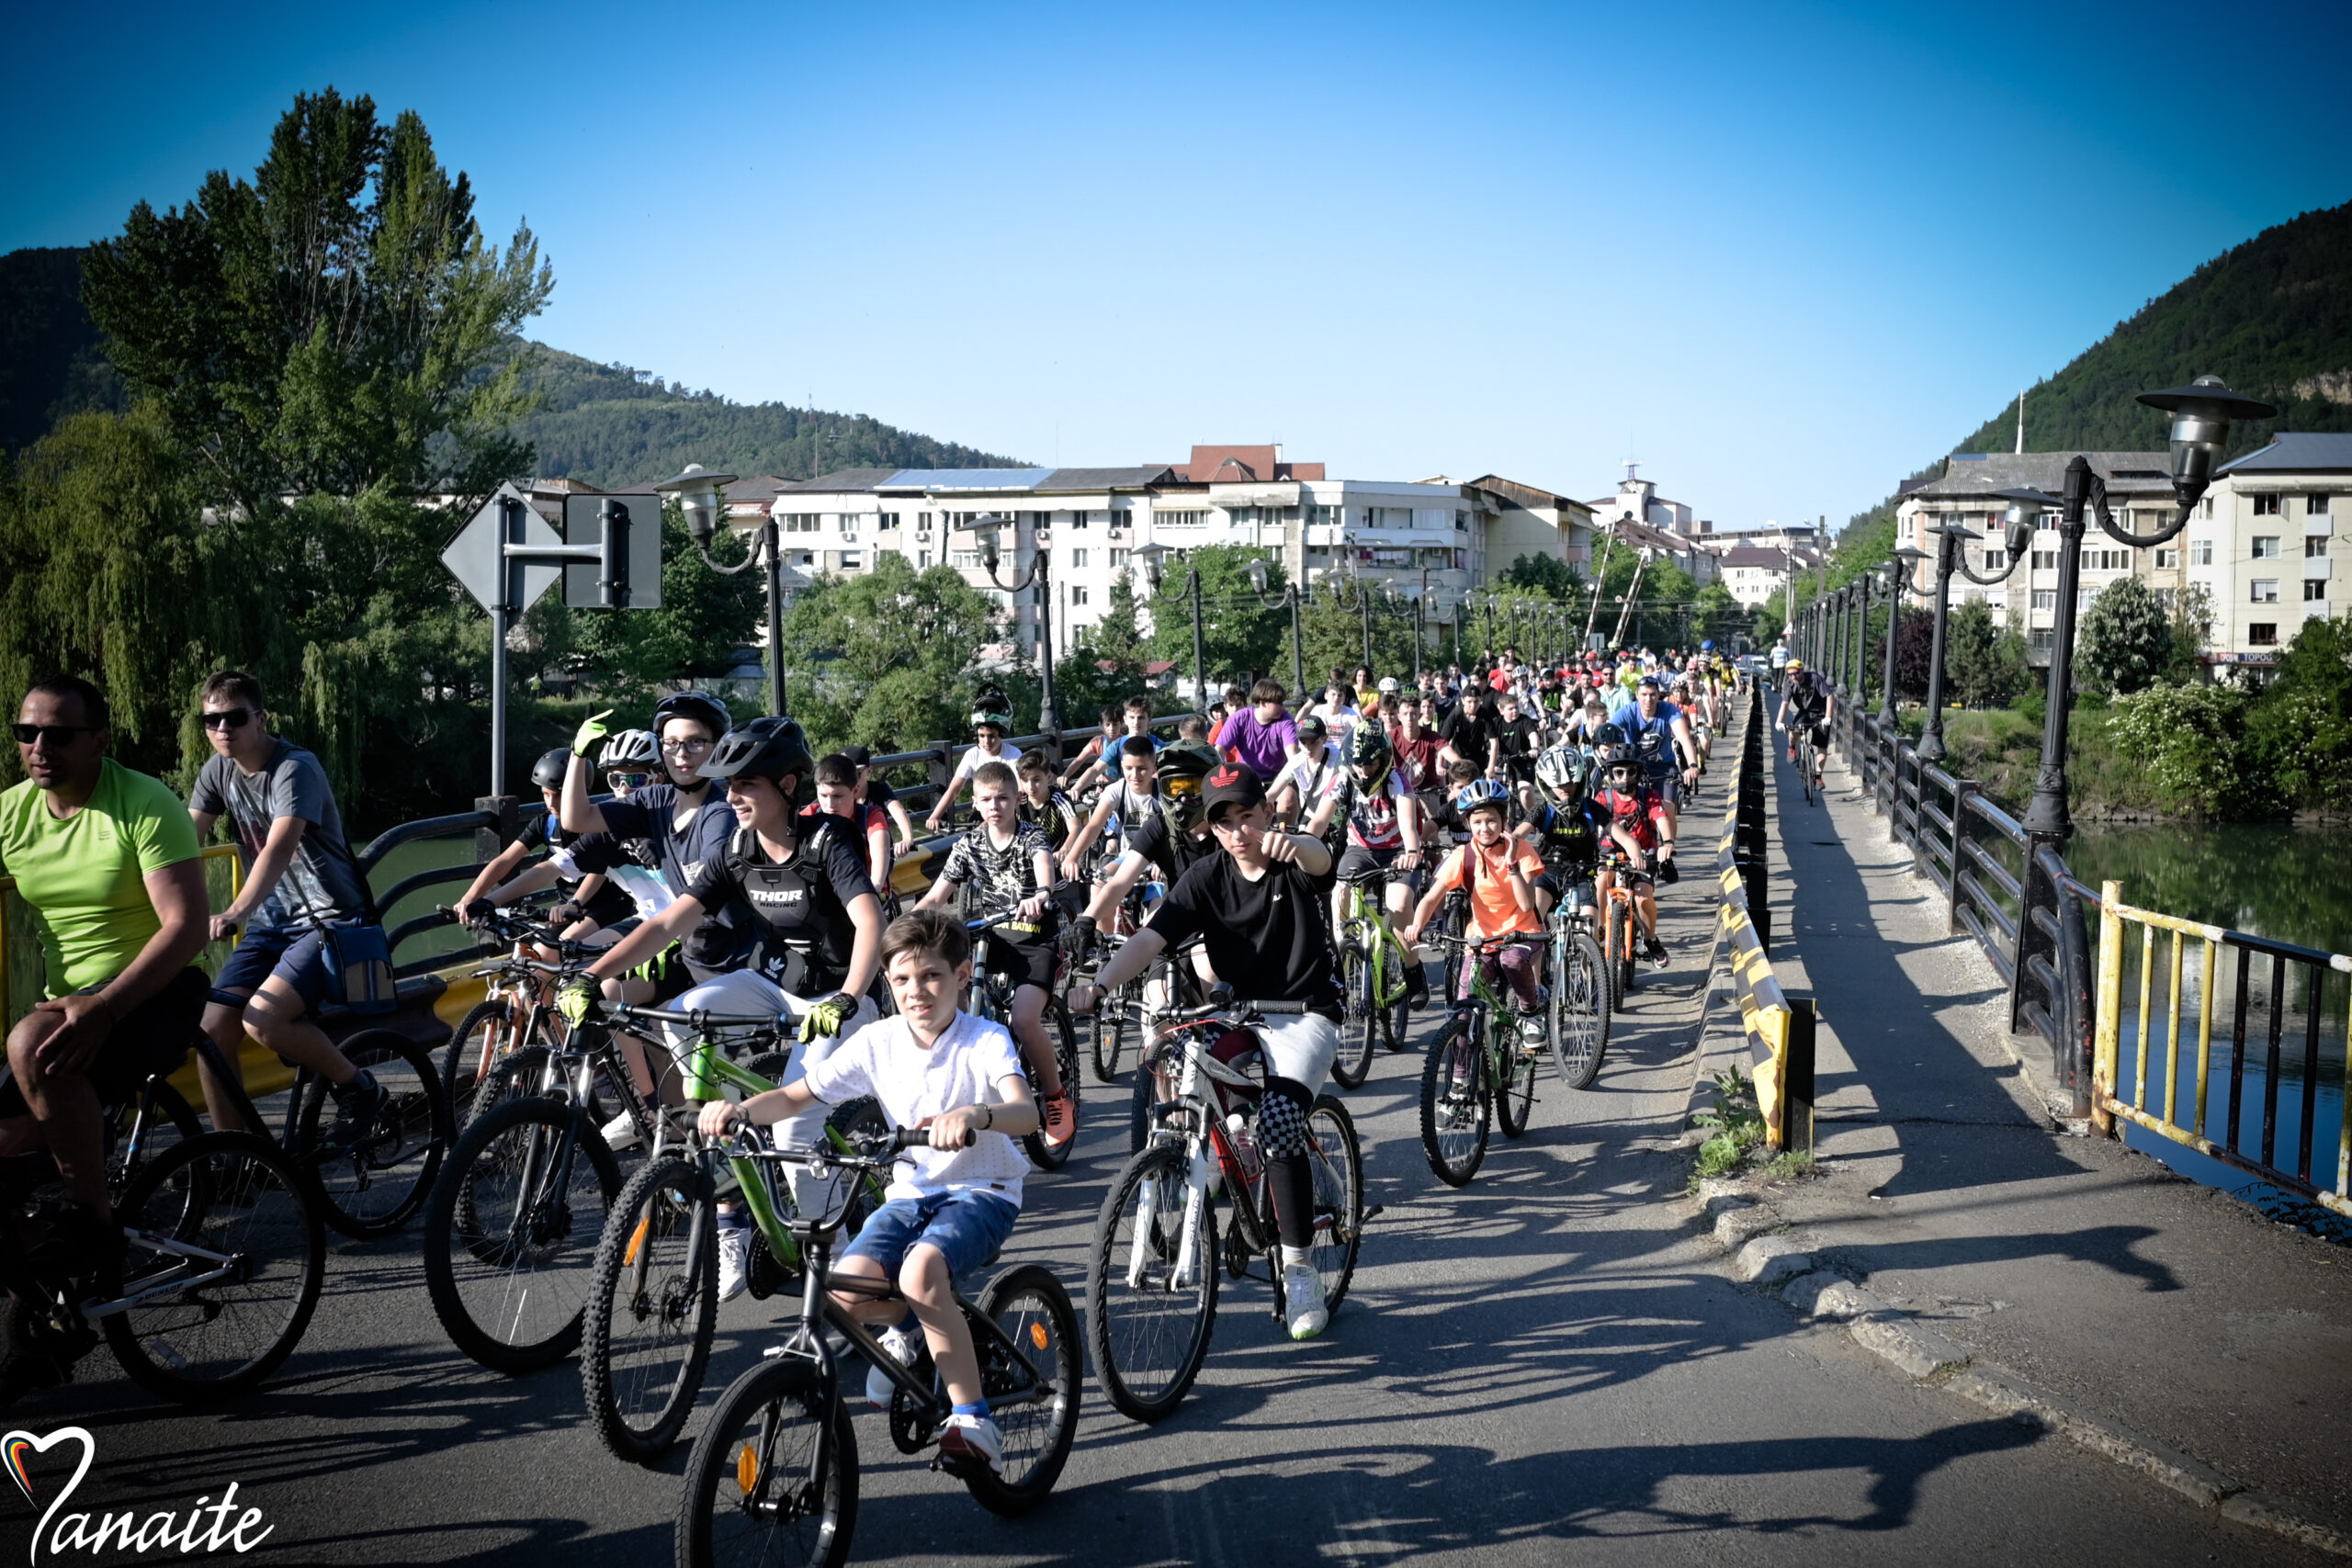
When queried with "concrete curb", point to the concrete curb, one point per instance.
{"points": [[1764, 1254]]}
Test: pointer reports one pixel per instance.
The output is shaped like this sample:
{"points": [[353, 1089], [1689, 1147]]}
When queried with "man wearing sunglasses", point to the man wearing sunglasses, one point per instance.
{"points": [[106, 857], [301, 880]]}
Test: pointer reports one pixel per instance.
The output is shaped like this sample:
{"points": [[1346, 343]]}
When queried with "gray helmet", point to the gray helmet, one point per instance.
{"points": [[629, 749], [1562, 767]]}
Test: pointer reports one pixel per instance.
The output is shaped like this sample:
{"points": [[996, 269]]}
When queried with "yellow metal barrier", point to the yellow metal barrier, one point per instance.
{"points": [[2163, 945], [1779, 1034]]}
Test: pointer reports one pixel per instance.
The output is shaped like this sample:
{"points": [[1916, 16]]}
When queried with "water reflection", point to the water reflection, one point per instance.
{"points": [[2293, 884]]}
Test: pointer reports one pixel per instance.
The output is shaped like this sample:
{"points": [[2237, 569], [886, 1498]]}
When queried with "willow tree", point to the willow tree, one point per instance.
{"points": [[309, 354]]}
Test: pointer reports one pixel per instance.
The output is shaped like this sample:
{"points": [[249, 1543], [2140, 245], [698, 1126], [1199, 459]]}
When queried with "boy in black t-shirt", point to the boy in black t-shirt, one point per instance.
{"points": [[1258, 908]]}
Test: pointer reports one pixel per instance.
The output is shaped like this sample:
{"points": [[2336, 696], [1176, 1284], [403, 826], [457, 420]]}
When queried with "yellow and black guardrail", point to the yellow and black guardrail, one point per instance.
{"points": [[1780, 1029]]}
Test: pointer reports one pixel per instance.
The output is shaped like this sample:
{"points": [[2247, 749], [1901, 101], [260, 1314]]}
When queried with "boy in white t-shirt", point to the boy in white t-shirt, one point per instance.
{"points": [[948, 1207]]}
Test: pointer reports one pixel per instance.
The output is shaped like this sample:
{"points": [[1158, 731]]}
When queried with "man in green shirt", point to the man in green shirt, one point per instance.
{"points": [[108, 859]]}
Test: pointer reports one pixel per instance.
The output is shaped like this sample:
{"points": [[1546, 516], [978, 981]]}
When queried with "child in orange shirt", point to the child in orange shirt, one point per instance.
{"points": [[1498, 872]]}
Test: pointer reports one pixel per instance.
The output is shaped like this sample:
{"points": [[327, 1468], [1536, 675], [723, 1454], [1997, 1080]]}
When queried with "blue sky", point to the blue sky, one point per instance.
{"points": [[1780, 253]]}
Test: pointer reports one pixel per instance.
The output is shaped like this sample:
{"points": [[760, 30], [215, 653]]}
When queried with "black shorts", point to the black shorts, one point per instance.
{"points": [[1029, 961], [1358, 863], [154, 1037]]}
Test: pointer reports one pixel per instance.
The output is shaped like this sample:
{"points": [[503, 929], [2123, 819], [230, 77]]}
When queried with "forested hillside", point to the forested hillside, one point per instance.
{"points": [[608, 424]]}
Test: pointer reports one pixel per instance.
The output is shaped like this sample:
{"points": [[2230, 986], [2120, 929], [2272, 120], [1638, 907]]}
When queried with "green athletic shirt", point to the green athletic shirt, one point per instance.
{"points": [[85, 874]]}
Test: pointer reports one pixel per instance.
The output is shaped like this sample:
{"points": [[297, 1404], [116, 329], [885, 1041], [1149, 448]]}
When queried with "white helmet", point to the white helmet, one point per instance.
{"points": [[629, 749]]}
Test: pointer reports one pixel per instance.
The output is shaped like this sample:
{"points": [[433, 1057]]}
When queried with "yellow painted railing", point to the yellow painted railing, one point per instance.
{"points": [[1779, 1033], [2162, 949]]}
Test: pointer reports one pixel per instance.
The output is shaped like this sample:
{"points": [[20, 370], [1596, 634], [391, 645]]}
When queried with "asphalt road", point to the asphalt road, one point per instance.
{"points": [[1547, 1366]]}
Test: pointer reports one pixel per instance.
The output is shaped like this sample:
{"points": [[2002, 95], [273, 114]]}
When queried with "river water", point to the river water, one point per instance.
{"points": [[2291, 884]]}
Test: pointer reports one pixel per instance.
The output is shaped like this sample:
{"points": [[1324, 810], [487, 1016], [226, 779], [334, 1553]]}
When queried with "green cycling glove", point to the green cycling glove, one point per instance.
{"points": [[578, 1001], [592, 729], [825, 1017]]}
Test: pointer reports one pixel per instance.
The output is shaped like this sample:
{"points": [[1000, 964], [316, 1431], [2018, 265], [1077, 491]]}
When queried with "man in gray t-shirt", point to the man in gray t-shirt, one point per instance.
{"points": [[300, 878]]}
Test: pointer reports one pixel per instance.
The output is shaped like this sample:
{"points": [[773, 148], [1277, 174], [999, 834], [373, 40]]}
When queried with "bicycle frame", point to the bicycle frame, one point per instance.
{"points": [[1372, 918]]}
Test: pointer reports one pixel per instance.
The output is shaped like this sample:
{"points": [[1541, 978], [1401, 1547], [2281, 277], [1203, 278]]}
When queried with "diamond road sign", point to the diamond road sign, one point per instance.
{"points": [[475, 558]]}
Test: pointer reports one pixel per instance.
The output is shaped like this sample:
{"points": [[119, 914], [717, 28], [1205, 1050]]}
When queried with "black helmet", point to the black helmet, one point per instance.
{"points": [[548, 770], [1619, 756], [763, 748], [1368, 749], [700, 706], [1184, 760]]}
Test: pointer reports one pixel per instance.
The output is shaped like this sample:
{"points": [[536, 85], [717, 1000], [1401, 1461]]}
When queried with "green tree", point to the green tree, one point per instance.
{"points": [[1119, 636], [2192, 742], [704, 616], [894, 651], [1547, 575], [1981, 671], [1239, 634], [2302, 728], [1331, 623], [2127, 640]]}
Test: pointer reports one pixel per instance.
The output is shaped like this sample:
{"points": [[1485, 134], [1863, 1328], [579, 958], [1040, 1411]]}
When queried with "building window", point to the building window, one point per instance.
{"points": [[2042, 638], [2167, 557], [1077, 558], [1462, 522], [2266, 547], [2106, 560], [2046, 560], [1118, 559], [2315, 505], [1078, 519], [797, 522], [2266, 591], [807, 558], [2314, 589], [2314, 546], [2201, 552], [964, 558], [922, 560], [853, 560], [923, 520], [1180, 519], [1997, 560], [2265, 505], [887, 521], [1078, 593], [2045, 598], [2262, 634], [1392, 558]]}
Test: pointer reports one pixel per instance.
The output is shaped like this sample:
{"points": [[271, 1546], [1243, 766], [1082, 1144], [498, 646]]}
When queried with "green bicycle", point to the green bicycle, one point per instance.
{"points": [[1371, 981], [652, 1303], [1477, 1072]]}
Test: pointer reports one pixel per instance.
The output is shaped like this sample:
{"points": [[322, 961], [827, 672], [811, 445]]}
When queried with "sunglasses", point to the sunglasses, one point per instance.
{"points": [[51, 734], [626, 781], [1183, 786], [227, 719]]}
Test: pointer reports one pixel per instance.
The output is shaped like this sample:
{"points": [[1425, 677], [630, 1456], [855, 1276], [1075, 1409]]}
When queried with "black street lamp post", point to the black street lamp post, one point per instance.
{"points": [[1900, 573], [1286, 599], [698, 491], [988, 526], [1952, 555], [1154, 569]]}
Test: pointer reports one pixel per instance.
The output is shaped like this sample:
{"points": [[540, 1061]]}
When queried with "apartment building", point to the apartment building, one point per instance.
{"points": [[2264, 543], [1759, 574]]}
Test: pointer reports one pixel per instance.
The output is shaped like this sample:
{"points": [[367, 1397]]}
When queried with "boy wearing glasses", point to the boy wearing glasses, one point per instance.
{"points": [[301, 880]]}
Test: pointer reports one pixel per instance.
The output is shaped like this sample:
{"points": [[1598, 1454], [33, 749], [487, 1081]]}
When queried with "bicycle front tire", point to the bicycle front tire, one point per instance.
{"points": [[1035, 1406], [1579, 1010], [375, 1187], [1357, 1027], [1149, 1332], [652, 1307], [1336, 1162], [1455, 1105], [773, 1479]]}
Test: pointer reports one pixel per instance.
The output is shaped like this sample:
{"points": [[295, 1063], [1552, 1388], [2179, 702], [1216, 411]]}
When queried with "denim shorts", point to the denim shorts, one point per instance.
{"points": [[965, 1226], [295, 953]]}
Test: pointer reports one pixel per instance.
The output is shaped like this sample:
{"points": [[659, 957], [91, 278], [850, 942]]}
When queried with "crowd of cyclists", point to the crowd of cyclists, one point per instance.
{"points": [[708, 869]]}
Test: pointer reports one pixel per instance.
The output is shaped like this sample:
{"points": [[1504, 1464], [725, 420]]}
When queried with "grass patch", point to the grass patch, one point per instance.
{"points": [[1737, 1123], [1794, 1164]]}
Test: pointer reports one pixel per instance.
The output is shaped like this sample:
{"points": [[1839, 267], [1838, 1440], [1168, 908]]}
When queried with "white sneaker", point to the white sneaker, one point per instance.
{"points": [[621, 1132], [1303, 1290], [903, 1344], [734, 1261], [972, 1438]]}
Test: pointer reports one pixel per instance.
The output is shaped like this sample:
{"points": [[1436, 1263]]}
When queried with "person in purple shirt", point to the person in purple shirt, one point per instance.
{"points": [[1262, 736]]}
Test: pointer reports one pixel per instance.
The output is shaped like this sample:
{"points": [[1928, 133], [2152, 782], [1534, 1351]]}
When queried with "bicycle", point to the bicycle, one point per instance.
{"points": [[1172, 977], [991, 998], [1371, 981], [224, 1255], [368, 1187], [1620, 927], [1578, 981], [515, 1013], [1474, 1074], [652, 1303], [772, 1477], [1151, 1280]]}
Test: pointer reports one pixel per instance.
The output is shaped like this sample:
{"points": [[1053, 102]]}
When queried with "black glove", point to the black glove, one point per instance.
{"points": [[475, 911]]}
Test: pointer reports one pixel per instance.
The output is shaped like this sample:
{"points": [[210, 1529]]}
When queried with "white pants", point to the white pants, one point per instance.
{"points": [[1300, 1048], [744, 993]]}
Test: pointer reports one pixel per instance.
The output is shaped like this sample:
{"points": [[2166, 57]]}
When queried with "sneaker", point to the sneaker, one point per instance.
{"points": [[621, 1132], [356, 1105], [1657, 954], [1303, 1290], [904, 1345], [1530, 1032], [1416, 987], [1061, 1117], [971, 1441], [734, 1260]]}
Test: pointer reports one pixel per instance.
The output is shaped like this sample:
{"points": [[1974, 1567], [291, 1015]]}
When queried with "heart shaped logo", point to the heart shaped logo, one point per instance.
{"points": [[17, 1448]]}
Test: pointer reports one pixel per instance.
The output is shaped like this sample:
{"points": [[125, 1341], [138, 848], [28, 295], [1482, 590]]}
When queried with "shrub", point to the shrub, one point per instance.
{"points": [[2192, 741]]}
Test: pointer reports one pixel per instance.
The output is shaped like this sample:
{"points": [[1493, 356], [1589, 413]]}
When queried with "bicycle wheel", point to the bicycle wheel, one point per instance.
{"points": [[231, 1203], [773, 1479], [653, 1304], [1149, 1324], [1110, 1022], [1336, 1160], [1454, 1105], [1361, 1021], [1047, 1156], [1621, 980], [485, 1034], [171, 1122], [1579, 1009], [510, 1234], [1033, 1398], [1396, 1018], [376, 1186], [1515, 1087]]}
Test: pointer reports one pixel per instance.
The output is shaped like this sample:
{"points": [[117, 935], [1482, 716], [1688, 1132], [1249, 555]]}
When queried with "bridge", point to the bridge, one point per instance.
{"points": [[1980, 1327]]}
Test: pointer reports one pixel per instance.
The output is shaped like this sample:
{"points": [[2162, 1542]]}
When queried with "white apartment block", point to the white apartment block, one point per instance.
{"points": [[2264, 543], [1759, 574]]}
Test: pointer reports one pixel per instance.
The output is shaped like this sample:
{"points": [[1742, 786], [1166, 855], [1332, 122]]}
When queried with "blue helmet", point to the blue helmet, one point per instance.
{"points": [[1478, 793]]}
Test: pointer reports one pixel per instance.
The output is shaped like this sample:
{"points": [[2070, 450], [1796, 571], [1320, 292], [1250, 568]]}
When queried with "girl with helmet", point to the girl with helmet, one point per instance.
{"points": [[1384, 830], [1499, 872], [1636, 817], [809, 926]]}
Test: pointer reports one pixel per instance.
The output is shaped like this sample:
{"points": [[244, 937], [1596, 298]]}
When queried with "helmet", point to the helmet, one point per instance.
{"points": [[1368, 749], [1184, 760], [1561, 767], [1478, 793], [699, 705], [1608, 734], [991, 706], [1708, 646], [1387, 684], [1619, 756], [629, 749], [548, 771], [1793, 665], [1181, 769], [763, 748]]}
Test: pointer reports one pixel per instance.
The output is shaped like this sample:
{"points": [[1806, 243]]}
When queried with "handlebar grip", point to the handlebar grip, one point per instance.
{"points": [[920, 1138], [1279, 1008]]}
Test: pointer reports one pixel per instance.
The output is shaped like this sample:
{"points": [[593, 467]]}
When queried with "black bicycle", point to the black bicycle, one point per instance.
{"points": [[773, 1478]]}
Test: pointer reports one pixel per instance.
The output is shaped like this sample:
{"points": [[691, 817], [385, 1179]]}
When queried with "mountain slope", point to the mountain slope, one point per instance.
{"points": [[607, 425], [2272, 317]]}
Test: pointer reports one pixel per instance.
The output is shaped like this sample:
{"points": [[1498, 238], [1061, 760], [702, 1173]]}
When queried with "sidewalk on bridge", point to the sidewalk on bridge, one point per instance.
{"points": [[1947, 1190]]}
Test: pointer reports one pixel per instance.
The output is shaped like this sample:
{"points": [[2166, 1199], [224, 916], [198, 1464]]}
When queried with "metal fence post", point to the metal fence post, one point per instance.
{"points": [[1796, 1114], [1961, 791], [496, 835], [2107, 1015]]}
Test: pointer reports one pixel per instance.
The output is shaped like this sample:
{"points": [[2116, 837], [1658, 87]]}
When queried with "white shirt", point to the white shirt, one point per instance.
{"points": [[1311, 773], [962, 1067], [971, 760]]}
